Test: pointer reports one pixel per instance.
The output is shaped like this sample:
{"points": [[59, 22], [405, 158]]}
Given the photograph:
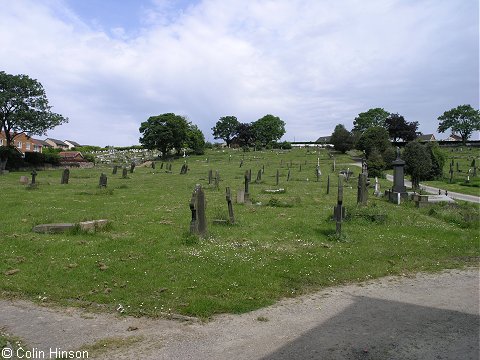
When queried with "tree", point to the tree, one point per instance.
{"points": [[376, 164], [268, 129], [374, 137], [195, 139], [342, 139], [24, 108], [463, 120], [226, 129], [371, 118], [164, 132], [438, 160], [398, 128], [245, 136], [418, 162]]}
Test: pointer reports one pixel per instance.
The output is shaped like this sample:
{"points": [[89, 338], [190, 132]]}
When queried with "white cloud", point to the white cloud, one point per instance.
{"points": [[313, 63]]}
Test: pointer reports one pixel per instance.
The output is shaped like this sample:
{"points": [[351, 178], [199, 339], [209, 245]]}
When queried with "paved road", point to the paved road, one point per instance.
{"points": [[434, 190], [428, 316]]}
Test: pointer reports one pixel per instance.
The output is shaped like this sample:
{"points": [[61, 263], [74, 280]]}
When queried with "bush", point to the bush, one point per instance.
{"points": [[34, 158], [285, 145], [52, 158], [14, 157], [376, 164]]}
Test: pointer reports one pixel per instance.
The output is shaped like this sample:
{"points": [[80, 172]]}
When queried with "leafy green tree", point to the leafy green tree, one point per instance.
{"points": [[342, 139], [438, 160], [226, 129], [374, 137], [245, 135], [24, 108], [398, 128], [389, 155], [164, 132], [268, 129], [372, 118], [195, 139], [418, 162], [376, 163], [463, 120]]}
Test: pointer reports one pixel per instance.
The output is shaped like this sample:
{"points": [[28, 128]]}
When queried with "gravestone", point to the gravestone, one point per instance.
{"points": [[65, 176], [198, 224], [250, 175], [339, 210], [210, 176], [161, 166], [241, 163], [114, 170], [277, 177], [333, 165], [217, 179], [451, 172], [263, 169], [132, 167], [300, 168], [34, 175], [399, 189], [328, 184], [362, 194], [377, 191], [259, 176], [124, 173], [288, 175], [153, 165], [228, 197], [102, 181], [318, 173], [247, 182], [241, 196], [23, 180]]}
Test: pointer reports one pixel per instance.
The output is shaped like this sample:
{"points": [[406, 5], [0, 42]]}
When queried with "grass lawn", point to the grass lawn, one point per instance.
{"points": [[463, 156], [147, 263]]}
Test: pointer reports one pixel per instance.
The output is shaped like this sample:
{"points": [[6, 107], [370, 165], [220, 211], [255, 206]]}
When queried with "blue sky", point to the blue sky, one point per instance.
{"points": [[109, 65]]}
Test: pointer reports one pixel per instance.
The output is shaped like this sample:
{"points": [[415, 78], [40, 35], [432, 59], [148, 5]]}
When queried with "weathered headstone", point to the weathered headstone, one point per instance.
{"points": [[217, 179], [161, 166], [132, 167], [333, 165], [263, 169], [362, 194], [240, 196], [114, 170], [210, 176], [34, 175], [23, 180], [102, 181], [328, 184], [247, 182], [124, 173], [153, 165], [339, 210], [288, 175], [377, 192], [277, 177], [241, 163], [228, 197], [198, 224], [259, 176], [65, 176]]}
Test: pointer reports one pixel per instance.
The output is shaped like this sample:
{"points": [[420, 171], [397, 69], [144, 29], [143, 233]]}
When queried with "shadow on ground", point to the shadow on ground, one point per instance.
{"points": [[380, 329]]}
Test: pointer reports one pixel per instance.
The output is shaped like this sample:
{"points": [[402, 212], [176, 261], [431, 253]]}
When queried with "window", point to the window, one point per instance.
{"points": [[19, 145], [27, 146], [1, 142], [35, 148]]}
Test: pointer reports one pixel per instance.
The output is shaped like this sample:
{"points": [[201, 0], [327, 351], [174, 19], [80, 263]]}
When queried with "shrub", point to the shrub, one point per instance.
{"points": [[14, 157], [35, 158]]}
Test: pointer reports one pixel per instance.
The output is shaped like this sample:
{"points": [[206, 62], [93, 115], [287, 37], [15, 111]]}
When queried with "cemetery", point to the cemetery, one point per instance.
{"points": [[201, 235]]}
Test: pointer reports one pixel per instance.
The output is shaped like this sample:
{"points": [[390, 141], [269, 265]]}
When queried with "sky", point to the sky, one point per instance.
{"points": [[108, 65]]}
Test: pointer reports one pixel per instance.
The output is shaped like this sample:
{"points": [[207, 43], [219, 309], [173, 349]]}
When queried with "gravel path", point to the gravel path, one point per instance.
{"points": [[428, 316]]}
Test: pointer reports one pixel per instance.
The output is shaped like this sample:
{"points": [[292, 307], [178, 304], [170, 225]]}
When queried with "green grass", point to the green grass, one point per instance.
{"points": [[463, 156], [148, 263]]}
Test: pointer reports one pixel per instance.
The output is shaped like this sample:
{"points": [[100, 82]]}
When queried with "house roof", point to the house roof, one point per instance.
{"points": [[426, 137], [43, 143], [57, 142], [323, 139], [455, 137], [74, 143]]}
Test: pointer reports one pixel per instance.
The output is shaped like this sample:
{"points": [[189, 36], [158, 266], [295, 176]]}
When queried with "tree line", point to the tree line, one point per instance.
{"points": [[375, 130]]}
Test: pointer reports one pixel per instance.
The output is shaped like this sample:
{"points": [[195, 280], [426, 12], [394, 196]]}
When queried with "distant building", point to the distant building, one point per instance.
{"points": [[71, 144], [324, 139], [22, 142], [57, 144], [426, 137], [71, 156], [454, 137]]}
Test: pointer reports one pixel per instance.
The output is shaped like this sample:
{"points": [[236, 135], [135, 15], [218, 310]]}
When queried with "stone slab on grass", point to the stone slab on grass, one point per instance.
{"points": [[62, 227]]}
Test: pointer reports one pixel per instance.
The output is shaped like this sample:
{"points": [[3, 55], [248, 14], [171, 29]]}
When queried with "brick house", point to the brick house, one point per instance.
{"points": [[23, 142], [71, 156]]}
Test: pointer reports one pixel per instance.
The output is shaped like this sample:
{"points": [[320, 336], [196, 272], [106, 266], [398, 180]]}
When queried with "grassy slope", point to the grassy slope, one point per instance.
{"points": [[155, 266]]}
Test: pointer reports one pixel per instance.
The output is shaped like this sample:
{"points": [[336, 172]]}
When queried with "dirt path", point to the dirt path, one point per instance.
{"points": [[429, 316]]}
